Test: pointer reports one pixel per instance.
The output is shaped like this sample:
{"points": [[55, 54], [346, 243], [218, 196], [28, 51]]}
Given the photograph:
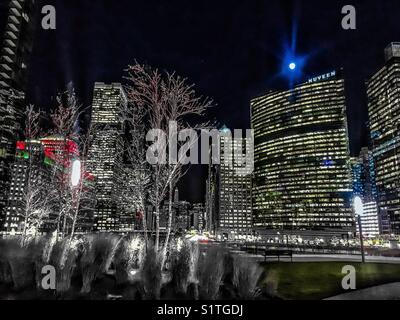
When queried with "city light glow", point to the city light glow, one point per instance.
{"points": [[292, 66]]}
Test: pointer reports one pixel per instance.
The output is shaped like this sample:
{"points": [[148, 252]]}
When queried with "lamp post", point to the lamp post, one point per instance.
{"points": [[359, 210]]}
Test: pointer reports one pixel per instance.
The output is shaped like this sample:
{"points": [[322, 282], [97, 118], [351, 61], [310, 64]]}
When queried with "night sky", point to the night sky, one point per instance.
{"points": [[231, 50]]}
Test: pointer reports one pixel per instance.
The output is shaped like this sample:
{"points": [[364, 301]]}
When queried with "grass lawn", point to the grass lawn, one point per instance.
{"points": [[319, 280]]}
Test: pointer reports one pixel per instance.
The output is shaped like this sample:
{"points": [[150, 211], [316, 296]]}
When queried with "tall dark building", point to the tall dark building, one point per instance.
{"points": [[384, 117], [106, 153], [211, 199], [234, 204], [17, 43], [302, 177], [15, 51]]}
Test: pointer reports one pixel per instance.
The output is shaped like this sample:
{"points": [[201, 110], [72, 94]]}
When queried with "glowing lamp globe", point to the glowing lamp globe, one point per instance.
{"points": [[76, 173], [358, 206], [292, 66]]}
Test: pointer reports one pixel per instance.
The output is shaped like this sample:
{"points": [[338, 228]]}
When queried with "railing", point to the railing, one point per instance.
{"points": [[259, 248]]}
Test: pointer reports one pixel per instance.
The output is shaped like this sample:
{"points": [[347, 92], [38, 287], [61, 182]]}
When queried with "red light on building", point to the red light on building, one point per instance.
{"points": [[59, 150], [20, 145], [139, 214], [88, 176]]}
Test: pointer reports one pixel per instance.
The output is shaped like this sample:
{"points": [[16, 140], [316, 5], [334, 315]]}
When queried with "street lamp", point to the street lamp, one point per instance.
{"points": [[76, 173], [359, 210]]}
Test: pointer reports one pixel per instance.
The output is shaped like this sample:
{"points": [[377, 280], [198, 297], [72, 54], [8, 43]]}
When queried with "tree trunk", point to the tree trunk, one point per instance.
{"points": [[24, 230], [169, 226], [64, 225], [157, 241], [144, 222]]}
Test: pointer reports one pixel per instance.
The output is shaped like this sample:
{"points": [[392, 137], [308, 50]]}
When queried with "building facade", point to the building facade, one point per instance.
{"points": [[106, 153], [364, 187], [234, 216], [30, 175], [197, 213], [211, 199], [370, 224], [40, 186], [384, 120], [363, 171], [15, 51], [302, 177]]}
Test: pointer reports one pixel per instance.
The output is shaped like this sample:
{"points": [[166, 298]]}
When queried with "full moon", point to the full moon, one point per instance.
{"points": [[292, 66]]}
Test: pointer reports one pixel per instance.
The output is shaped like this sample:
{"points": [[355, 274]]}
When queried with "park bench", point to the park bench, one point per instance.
{"points": [[278, 253]]}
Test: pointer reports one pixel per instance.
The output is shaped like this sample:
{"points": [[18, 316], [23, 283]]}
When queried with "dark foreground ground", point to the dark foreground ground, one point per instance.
{"points": [[298, 281], [320, 280]]}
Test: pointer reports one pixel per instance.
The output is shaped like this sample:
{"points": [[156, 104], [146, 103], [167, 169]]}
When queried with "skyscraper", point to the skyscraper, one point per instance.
{"points": [[234, 185], [17, 44], [384, 118], [41, 173], [15, 51], [302, 179], [211, 199], [364, 187], [363, 170], [197, 215], [29, 175], [106, 152]]}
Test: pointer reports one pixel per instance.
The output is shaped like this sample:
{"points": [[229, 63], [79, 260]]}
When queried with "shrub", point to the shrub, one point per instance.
{"points": [[64, 272], [21, 264], [98, 251], [246, 275], [5, 268], [180, 264], [128, 256], [151, 274], [211, 272]]}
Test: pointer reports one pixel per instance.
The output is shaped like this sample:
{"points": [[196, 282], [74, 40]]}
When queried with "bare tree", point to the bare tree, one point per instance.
{"points": [[156, 99], [64, 119], [134, 171], [82, 194], [34, 199]]}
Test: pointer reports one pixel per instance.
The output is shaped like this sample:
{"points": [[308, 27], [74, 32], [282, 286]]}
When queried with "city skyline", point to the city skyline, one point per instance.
{"points": [[232, 77], [329, 142]]}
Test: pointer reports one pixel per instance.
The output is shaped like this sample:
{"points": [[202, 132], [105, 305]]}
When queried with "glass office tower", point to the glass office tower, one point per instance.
{"points": [[384, 115], [105, 153], [302, 177]]}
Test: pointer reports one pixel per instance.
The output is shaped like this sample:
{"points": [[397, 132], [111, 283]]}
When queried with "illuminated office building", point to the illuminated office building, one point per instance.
{"points": [[15, 51], [234, 185], [105, 153], [39, 165], [211, 199], [17, 44], [197, 213], [29, 174], [370, 223], [384, 119], [302, 177], [363, 171], [364, 186]]}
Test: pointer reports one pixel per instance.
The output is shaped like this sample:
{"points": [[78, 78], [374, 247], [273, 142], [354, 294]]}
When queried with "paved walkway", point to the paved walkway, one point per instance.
{"points": [[389, 291]]}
